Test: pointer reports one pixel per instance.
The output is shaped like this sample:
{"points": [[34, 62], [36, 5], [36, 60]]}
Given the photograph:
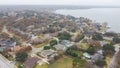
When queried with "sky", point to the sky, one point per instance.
{"points": [[61, 2]]}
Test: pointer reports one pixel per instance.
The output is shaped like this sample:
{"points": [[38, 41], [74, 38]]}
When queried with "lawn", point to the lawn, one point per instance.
{"points": [[64, 62], [108, 41], [39, 45], [18, 65], [42, 44], [108, 59], [84, 46]]}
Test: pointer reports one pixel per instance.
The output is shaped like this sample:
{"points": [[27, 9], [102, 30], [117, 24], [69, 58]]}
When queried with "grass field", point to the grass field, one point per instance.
{"points": [[39, 45], [108, 59], [64, 62], [84, 46]]}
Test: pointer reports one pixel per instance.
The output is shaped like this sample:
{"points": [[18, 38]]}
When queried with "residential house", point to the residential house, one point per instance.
{"points": [[7, 43], [108, 38], [66, 43], [14, 50], [30, 62], [100, 51], [37, 40], [48, 53], [96, 57], [47, 36], [94, 43], [60, 47], [2, 49], [103, 43]]}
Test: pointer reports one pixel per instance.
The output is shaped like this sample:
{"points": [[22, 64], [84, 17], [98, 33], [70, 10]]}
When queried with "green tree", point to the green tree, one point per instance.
{"points": [[91, 50], [71, 52], [21, 56], [53, 42], [116, 39], [20, 66], [78, 63], [79, 37], [100, 62], [108, 49], [64, 36], [97, 36], [47, 47]]}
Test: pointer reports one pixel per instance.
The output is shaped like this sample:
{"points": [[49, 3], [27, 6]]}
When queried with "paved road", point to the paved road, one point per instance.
{"points": [[4, 63]]}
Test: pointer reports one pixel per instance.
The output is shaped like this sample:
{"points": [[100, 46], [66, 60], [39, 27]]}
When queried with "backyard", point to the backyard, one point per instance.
{"points": [[64, 62]]}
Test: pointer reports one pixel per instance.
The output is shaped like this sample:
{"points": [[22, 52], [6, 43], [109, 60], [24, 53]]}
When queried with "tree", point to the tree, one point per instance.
{"points": [[100, 62], [20, 66], [110, 34], [71, 52], [47, 47], [79, 37], [116, 39], [108, 49], [97, 36], [53, 42], [64, 36], [21, 56], [78, 63], [91, 50]]}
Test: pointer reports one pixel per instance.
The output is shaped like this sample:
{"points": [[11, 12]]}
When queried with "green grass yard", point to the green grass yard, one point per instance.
{"points": [[64, 62]]}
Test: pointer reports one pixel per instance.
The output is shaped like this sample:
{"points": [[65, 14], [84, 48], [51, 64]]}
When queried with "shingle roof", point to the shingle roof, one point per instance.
{"points": [[30, 62]]}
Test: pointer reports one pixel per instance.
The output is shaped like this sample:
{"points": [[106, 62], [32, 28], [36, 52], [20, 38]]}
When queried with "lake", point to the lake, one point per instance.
{"points": [[109, 15]]}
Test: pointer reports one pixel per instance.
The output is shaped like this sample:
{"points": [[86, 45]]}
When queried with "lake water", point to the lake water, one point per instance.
{"points": [[109, 15]]}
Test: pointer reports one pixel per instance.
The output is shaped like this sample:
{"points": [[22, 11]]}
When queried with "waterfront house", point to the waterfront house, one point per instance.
{"points": [[108, 38]]}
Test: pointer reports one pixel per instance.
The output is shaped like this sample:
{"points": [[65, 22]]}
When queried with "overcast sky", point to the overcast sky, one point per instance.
{"points": [[61, 2]]}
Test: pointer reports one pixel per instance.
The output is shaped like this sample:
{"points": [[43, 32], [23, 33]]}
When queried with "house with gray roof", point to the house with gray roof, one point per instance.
{"points": [[96, 57]]}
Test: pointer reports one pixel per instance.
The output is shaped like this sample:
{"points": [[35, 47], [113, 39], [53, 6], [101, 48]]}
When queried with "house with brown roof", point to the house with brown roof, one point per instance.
{"points": [[30, 62], [47, 36], [14, 50], [94, 43], [37, 40]]}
